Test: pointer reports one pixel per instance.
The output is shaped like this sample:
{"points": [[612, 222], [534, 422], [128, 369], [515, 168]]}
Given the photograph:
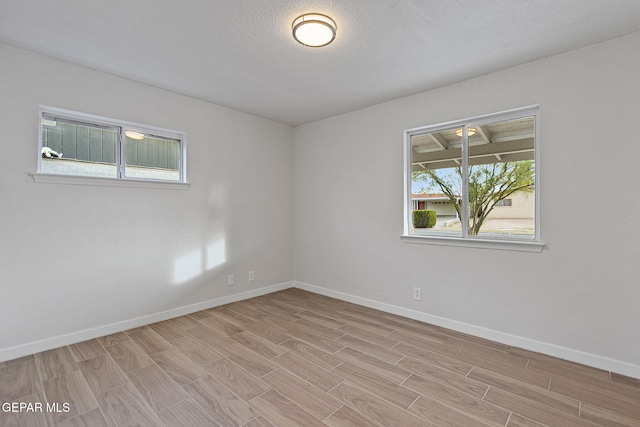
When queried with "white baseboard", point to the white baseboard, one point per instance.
{"points": [[87, 334], [577, 356]]}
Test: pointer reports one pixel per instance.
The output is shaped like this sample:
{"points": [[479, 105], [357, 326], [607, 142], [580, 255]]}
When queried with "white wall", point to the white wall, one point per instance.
{"points": [[579, 298], [79, 260]]}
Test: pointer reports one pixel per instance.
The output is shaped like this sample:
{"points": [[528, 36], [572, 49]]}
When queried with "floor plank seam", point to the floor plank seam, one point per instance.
{"points": [[414, 401], [580, 409], [334, 387], [508, 418], [336, 410], [485, 393]]}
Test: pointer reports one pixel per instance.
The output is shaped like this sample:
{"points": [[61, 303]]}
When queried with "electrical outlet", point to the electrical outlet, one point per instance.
{"points": [[231, 280], [251, 276], [417, 294]]}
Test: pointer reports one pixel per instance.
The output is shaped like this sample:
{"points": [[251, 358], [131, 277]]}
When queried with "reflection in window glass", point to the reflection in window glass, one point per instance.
{"points": [[489, 193], [75, 148], [79, 144], [501, 167], [151, 157], [436, 181]]}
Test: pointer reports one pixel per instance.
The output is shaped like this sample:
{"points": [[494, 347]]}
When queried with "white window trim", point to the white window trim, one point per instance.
{"points": [[502, 244], [484, 242], [48, 178]]}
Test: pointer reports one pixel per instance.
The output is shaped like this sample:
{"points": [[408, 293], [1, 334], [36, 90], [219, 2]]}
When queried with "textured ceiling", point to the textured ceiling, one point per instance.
{"points": [[240, 53]]}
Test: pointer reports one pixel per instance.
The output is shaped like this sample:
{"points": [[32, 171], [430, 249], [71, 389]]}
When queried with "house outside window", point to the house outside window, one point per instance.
{"points": [[504, 202], [479, 175]]}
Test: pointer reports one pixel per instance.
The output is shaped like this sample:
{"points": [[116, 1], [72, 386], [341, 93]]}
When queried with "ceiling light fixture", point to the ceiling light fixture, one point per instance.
{"points": [[134, 135], [314, 30], [471, 131]]}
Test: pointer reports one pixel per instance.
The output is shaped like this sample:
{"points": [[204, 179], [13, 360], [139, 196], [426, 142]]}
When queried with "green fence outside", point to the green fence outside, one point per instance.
{"points": [[85, 143]]}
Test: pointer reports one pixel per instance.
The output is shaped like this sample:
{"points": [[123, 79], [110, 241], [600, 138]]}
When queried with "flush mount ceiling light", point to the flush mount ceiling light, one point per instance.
{"points": [[314, 30], [471, 131]]}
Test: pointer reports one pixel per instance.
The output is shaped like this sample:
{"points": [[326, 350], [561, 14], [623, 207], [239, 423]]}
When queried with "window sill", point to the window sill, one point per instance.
{"points": [[505, 245], [45, 178]]}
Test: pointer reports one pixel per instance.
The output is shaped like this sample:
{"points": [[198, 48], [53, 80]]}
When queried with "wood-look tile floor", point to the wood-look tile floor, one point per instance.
{"points": [[293, 358]]}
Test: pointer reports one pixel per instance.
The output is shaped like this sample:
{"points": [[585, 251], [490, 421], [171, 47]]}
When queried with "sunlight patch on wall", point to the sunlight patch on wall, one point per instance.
{"points": [[216, 254], [187, 266], [196, 262]]}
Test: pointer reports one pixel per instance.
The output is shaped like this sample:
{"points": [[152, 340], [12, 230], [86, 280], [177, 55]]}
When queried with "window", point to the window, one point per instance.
{"points": [[77, 144], [463, 170]]}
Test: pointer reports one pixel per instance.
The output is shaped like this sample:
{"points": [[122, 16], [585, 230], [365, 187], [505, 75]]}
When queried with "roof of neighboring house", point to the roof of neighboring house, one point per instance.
{"points": [[434, 196]]}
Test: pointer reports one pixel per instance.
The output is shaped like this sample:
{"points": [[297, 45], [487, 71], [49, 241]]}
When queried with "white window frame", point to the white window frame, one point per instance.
{"points": [[120, 157], [466, 240]]}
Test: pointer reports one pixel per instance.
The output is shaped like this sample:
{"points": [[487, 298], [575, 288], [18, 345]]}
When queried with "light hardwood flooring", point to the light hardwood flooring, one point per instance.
{"points": [[293, 358]]}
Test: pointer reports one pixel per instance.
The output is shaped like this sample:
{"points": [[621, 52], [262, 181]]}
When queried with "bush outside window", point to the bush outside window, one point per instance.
{"points": [[477, 176]]}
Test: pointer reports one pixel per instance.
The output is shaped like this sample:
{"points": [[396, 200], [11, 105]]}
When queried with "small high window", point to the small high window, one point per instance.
{"points": [[77, 144]]}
